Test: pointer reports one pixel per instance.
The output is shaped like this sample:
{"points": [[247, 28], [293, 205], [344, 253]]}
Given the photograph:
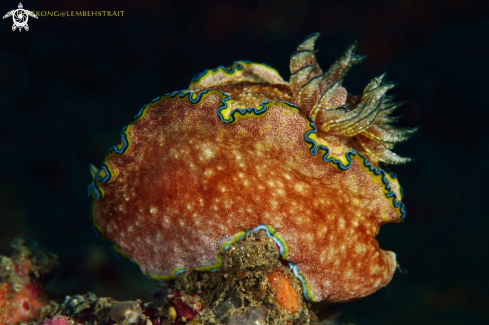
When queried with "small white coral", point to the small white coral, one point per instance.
{"points": [[126, 312]]}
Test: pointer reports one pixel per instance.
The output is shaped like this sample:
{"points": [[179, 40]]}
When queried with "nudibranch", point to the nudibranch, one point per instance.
{"points": [[242, 150]]}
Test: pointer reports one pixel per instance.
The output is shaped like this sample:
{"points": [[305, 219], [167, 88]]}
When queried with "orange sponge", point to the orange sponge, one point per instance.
{"points": [[286, 294]]}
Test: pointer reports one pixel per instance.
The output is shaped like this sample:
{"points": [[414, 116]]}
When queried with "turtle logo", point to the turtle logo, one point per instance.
{"points": [[20, 17]]}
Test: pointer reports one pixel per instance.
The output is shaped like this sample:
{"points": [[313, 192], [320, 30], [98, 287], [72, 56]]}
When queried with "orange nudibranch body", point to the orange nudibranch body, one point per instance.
{"points": [[242, 150]]}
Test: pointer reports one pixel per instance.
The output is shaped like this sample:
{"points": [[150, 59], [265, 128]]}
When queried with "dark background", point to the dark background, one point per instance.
{"points": [[69, 85]]}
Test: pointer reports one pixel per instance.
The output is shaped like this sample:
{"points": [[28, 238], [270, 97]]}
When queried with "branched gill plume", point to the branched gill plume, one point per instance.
{"points": [[336, 112]]}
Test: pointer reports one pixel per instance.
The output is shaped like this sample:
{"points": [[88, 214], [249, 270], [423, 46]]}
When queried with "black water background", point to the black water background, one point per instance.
{"points": [[69, 85]]}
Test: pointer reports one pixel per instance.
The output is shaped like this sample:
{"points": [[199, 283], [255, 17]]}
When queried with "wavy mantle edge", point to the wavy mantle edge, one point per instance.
{"points": [[229, 115]]}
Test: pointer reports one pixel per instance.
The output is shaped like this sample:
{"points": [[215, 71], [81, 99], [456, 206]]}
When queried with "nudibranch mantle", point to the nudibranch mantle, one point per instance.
{"points": [[242, 150]]}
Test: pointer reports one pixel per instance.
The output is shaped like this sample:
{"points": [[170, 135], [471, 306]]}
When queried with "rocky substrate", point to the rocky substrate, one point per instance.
{"points": [[254, 287]]}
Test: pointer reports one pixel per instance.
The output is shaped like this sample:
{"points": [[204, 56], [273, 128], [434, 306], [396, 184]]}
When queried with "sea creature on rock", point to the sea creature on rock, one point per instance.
{"points": [[241, 151]]}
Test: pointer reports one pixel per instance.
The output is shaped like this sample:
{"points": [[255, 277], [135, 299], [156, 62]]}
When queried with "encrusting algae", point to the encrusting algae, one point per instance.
{"points": [[22, 295], [242, 151]]}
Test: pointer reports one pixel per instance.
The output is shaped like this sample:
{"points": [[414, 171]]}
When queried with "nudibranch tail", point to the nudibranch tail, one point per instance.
{"points": [[338, 113]]}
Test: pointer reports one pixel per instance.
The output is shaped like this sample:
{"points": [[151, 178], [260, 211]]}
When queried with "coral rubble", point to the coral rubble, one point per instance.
{"points": [[253, 287]]}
